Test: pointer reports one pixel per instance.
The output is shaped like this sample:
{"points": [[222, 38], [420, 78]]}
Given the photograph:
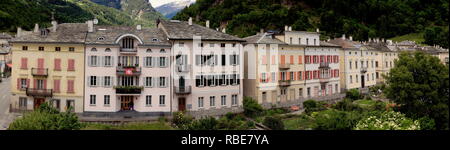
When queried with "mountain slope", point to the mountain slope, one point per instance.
{"points": [[25, 13], [360, 18], [171, 9]]}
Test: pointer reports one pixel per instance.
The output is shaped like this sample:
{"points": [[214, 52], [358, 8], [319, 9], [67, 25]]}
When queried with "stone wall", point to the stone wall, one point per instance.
{"points": [[299, 102]]}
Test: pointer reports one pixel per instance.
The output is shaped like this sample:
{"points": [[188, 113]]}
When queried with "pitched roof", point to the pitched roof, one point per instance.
{"points": [[4, 35], [263, 38], [181, 30], [109, 35], [381, 46], [65, 33], [345, 44]]}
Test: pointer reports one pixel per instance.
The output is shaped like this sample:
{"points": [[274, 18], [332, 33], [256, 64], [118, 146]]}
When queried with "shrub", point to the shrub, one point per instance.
{"points": [[180, 120], [336, 120], [251, 107], [353, 94], [389, 120], [275, 111], [312, 106], [273, 123], [426, 123], [208, 123], [346, 105]]}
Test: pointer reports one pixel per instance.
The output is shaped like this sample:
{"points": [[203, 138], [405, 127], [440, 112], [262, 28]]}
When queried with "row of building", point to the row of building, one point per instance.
{"points": [[181, 66]]}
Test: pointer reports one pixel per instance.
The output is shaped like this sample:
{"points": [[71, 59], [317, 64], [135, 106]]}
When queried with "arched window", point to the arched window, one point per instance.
{"points": [[107, 50], [101, 38], [154, 40], [94, 49], [149, 50], [162, 51], [128, 43]]}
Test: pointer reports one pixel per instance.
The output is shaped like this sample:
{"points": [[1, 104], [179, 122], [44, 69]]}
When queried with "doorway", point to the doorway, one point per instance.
{"points": [[362, 81], [38, 102], [182, 104], [126, 103]]}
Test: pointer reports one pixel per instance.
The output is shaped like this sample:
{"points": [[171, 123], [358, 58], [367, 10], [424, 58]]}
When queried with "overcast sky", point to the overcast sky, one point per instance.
{"points": [[156, 3]]}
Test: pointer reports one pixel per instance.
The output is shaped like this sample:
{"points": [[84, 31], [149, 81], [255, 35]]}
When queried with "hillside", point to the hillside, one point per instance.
{"points": [[171, 9], [360, 18]]}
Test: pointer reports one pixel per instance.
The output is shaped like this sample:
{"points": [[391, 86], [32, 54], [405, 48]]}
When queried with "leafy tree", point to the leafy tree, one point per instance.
{"points": [[353, 94], [419, 83], [251, 107], [273, 123], [312, 106]]}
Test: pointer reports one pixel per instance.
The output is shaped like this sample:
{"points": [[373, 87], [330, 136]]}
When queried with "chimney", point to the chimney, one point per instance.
{"points": [[207, 23], [190, 21], [343, 36], [317, 30], [261, 30], [290, 28], [36, 28], [90, 26], [286, 28], [138, 27], [54, 25], [351, 38], [19, 32], [224, 30]]}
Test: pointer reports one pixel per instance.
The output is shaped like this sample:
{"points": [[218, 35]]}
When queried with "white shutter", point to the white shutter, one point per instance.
{"points": [[237, 59], [112, 81], [89, 61], [88, 80], [166, 61]]}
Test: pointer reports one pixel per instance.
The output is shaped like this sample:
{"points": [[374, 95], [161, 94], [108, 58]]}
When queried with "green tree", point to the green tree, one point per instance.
{"points": [[273, 123], [419, 83], [353, 94], [251, 107]]}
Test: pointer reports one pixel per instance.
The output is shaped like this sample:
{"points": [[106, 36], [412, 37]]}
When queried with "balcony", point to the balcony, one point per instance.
{"points": [[129, 70], [183, 68], [39, 92], [324, 65], [284, 82], [284, 66], [128, 90], [363, 69], [183, 90], [128, 50], [41, 72], [324, 79]]}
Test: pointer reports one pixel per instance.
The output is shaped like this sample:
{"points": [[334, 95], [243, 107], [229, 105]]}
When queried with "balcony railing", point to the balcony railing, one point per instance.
{"points": [[128, 71], [183, 68], [183, 89], [284, 82], [284, 66], [39, 92], [43, 72], [324, 65], [363, 69], [128, 50], [128, 89]]}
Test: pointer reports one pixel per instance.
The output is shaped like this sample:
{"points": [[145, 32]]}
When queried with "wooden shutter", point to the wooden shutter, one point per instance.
{"points": [[71, 65], [57, 64], [283, 59], [18, 83], [292, 59]]}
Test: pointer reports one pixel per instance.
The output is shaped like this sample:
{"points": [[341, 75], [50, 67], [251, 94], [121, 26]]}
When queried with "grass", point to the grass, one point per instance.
{"points": [[302, 122], [418, 37], [129, 126]]}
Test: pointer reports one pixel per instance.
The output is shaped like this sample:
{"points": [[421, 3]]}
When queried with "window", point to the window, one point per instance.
{"points": [[106, 99], [107, 50], [148, 100], [222, 44], [162, 61], [70, 86], [307, 41], [93, 81], [181, 44], [148, 81], [23, 103], [351, 79], [154, 40], [71, 49], [148, 62], [211, 44], [41, 48], [162, 51], [101, 38], [234, 100], [234, 59], [223, 60], [212, 101], [300, 92], [94, 49], [162, 81], [107, 81], [57, 49], [223, 100], [336, 88], [356, 64], [71, 65], [23, 84], [356, 78], [308, 92], [108, 61], [56, 86], [93, 61], [70, 104], [149, 50], [55, 103], [57, 65], [200, 102], [92, 100], [25, 48], [264, 96]]}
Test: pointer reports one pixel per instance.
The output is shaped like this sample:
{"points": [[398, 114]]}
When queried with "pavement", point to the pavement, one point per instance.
{"points": [[5, 96]]}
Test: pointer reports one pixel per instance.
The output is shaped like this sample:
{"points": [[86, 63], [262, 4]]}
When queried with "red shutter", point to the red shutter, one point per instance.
{"points": [[283, 59], [18, 83], [300, 59], [260, 77], [28, 83], [56, 86], [57, 64], [45, 84], [35, 83], [70, 86], [292, 59], [23, 64], [40, 63], [71, 65], [318, 74], [279, 78], [273, 60]]}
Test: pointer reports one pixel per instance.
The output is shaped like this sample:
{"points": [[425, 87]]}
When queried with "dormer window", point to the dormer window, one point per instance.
{"points": [[128, 43], [94, 49], [314, 41], [149, 50], [107, 50], [101, 38], [162, 51], [307, 41], [222, 44], [44, 32], [155, 40]]}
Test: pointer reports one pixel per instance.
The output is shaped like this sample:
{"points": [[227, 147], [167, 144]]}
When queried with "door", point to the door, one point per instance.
{"points": [[362, 81], [126, 103], [38, 102], [181, 104]]}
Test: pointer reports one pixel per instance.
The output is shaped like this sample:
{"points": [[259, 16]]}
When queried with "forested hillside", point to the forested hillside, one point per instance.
{"points": [[360, 18], [25, 13]]}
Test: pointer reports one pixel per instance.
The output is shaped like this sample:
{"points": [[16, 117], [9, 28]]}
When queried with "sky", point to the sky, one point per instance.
{"points": [[156, 3]]}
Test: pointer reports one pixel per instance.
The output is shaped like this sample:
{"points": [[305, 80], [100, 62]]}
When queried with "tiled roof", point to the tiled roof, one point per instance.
{"points": [[65, 33], [407, 43], [4, 35], [264, 38], [381, 46], [181, 30], [323, 43], [346, 44], [109, 35]]}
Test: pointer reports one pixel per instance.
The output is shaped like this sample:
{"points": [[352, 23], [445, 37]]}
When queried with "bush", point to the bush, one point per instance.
{"points": [[346, 105], [47, 118], [273, 123], [275, 111], [312, 106], [336, 120], [389, 120], [427, 123], [208, 123], [353, 94], [181, 121], [252, 108]]}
